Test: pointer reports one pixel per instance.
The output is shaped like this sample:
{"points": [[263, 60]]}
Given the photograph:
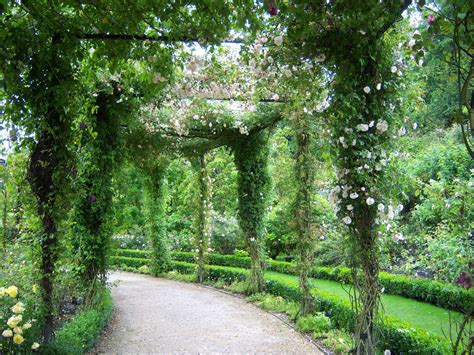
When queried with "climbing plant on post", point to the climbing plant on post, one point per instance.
{"points": [[350, 40], [155, 201], [251, 159], [363, 95], [97, 157], [202, 222], [49, 161], [304, 174]]}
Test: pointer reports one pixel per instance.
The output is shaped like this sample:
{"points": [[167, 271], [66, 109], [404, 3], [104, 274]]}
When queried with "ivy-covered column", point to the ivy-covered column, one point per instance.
{"points": [[304, 174], [97, 157], [251, 159], [361, 108], [49, 161], [202, 222], [155, 202]]}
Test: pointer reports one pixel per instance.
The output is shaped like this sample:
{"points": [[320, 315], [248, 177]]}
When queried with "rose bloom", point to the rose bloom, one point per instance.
{"points": [[17, 330], [13, 321], [18, 339], [7, 333], [12, 291], [18, 308]]}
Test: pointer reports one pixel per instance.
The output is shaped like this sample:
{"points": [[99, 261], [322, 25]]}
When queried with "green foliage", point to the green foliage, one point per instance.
{"points": [[154, 202], [80, 334], [202, 221], [226, 235], [118, 261], [401, 336], [128, 215], [141, 254], [237, 287], [98, 155], [173, 275], [71, 95], [315, 323], [337, 340], [269, 302], [251, 160]]}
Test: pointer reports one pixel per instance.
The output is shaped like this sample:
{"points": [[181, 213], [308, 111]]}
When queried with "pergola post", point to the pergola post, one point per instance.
{"points": [[202, 223], [100, 152], [304, 174], [251, 159], [47, 170], [155, 198]]}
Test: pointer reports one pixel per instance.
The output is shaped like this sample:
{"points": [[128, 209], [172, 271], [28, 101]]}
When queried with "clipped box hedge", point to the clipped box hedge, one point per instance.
{"points": [[117, 261], [131, 253], [430, 291]]}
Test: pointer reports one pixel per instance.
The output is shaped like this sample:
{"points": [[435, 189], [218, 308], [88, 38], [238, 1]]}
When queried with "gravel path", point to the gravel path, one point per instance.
{"points": [[153, 315]]}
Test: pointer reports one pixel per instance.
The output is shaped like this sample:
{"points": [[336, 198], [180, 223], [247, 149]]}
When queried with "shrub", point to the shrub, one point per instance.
{"points": [[79, 335], [225, 233], [401, 337], [17, 331], [128, 241], [237, 287], [269, 302], [315, 323], [173, 275], [338, 341]]}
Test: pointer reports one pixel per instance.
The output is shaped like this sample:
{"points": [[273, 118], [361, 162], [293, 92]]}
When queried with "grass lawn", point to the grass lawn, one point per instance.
{"points": [[421, 315]]}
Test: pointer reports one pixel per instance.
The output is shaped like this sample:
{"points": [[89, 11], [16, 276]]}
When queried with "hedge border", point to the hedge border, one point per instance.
{"points": [[430, 291]]}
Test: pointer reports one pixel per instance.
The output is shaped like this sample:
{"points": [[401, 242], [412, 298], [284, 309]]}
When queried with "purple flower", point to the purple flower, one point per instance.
{"points": [[83, 126], [431, 19], [464, 280], [13, 138], [91, 198], [272, 8]]}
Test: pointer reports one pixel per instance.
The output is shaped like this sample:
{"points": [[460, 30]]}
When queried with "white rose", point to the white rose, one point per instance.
{"points": [[278, 40], [362, 127]]}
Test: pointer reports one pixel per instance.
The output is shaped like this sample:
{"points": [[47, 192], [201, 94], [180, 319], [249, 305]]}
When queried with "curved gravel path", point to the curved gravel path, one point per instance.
{"points": [[153, 315]]}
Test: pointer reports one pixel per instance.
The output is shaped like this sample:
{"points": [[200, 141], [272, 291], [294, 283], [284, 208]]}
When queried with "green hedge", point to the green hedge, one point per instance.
{"points": [[438, 293], [396, 335], [80, 334], [130, 253], [117, 261]]}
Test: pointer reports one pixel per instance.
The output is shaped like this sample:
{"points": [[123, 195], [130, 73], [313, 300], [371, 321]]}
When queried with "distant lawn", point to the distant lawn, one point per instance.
{"points": [[421, 315]]}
